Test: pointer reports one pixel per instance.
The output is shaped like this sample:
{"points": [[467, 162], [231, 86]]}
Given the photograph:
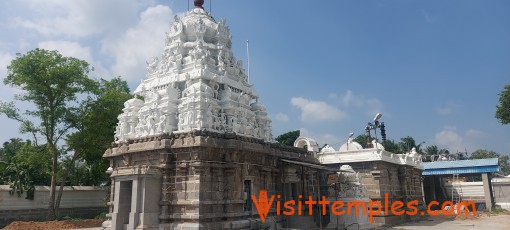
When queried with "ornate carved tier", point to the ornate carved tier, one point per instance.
{"points": [[196, 83]]}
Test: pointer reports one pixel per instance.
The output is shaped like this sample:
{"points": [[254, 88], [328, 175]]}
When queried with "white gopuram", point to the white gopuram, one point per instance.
{"points": [[197, 83]]}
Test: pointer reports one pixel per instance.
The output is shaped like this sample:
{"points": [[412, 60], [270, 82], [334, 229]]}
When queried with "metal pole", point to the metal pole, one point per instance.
{"points": [[248, 54], [375, 131]]}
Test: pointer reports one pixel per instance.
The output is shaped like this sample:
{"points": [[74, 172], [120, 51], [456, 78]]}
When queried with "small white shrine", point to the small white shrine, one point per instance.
{"points": [[352, 152], [369, 174], [197, 83]]}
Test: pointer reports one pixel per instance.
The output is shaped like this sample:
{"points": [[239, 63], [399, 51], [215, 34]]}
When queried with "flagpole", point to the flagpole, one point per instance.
{"points": [[248, 54]]}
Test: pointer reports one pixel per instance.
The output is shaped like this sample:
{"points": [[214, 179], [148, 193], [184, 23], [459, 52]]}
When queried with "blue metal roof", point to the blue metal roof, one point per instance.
{"points": [[461, 167]]}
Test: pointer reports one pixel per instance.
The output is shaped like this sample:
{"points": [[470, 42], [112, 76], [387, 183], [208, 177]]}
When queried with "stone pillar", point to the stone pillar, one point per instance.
{"points": [[150, 193], [135, 203], [487, 189]]}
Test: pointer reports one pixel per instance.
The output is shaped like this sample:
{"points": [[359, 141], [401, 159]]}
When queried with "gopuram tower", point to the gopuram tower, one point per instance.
{"points": [[196, 84], [195, 143]]}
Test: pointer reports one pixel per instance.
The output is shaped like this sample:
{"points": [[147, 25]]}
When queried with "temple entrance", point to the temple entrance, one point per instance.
{"points": [[125, 195], [136, 199]]}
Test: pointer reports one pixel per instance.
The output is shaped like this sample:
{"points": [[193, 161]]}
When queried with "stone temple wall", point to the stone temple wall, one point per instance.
{"points": [[202, 180]]}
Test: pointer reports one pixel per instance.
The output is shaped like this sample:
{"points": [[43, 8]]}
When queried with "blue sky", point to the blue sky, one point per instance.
{"points": [[432, 68]]}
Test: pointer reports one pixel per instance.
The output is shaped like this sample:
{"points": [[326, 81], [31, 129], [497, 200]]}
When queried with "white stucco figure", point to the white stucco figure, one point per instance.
{"points": [[161, 124]]}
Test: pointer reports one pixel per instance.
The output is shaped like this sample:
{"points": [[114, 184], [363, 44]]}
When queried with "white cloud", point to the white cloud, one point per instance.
{"points": [[139, 43], [375, 106], [349, 99], [450, 139], [77, 18], [5, 60], [74, 49], [448, 108], [127, 33], [312, 111], [5, 91], [371, 104], [67, 48], [454, 140], [281, 117], [473, 133], [428, 17], [7, 94], [322, 138]]}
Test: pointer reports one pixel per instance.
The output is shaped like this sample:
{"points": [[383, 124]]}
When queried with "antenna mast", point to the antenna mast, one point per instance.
{"points": [[248, 54]]}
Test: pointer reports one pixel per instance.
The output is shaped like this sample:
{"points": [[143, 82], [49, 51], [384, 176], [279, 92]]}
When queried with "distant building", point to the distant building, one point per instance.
{"points": [[442, 181]]}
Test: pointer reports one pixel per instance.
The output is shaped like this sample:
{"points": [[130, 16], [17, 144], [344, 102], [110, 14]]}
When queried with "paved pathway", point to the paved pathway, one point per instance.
{"points": [[494, 222]]}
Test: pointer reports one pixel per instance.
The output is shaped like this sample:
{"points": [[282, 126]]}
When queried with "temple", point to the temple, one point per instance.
{"points": [[194, 146]]}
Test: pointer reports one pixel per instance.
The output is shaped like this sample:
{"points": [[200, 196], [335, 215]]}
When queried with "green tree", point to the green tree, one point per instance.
{"points": [[51, 82], [30, 166], [10, 148], [429, 152], [503, 109], [95, 124], [504, 165], [96, 128], [362, 140], [483, 154], [7, 152], [288, 138], [391, 146], [406, 144]]}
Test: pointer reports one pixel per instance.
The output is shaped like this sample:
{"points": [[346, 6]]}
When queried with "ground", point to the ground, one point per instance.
{"points": [[483, 221], [64, 224]]}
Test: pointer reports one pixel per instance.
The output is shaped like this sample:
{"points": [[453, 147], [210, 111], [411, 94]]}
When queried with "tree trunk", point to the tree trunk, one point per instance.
{"points": [[62, 183], [61, 190], [51, 203]]}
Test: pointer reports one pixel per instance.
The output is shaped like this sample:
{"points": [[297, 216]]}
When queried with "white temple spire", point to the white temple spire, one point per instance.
{"points": [[197, 83]]}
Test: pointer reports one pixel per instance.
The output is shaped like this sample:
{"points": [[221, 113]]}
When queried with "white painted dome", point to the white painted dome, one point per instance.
{"points": [[350, 146], [327, 149]]}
